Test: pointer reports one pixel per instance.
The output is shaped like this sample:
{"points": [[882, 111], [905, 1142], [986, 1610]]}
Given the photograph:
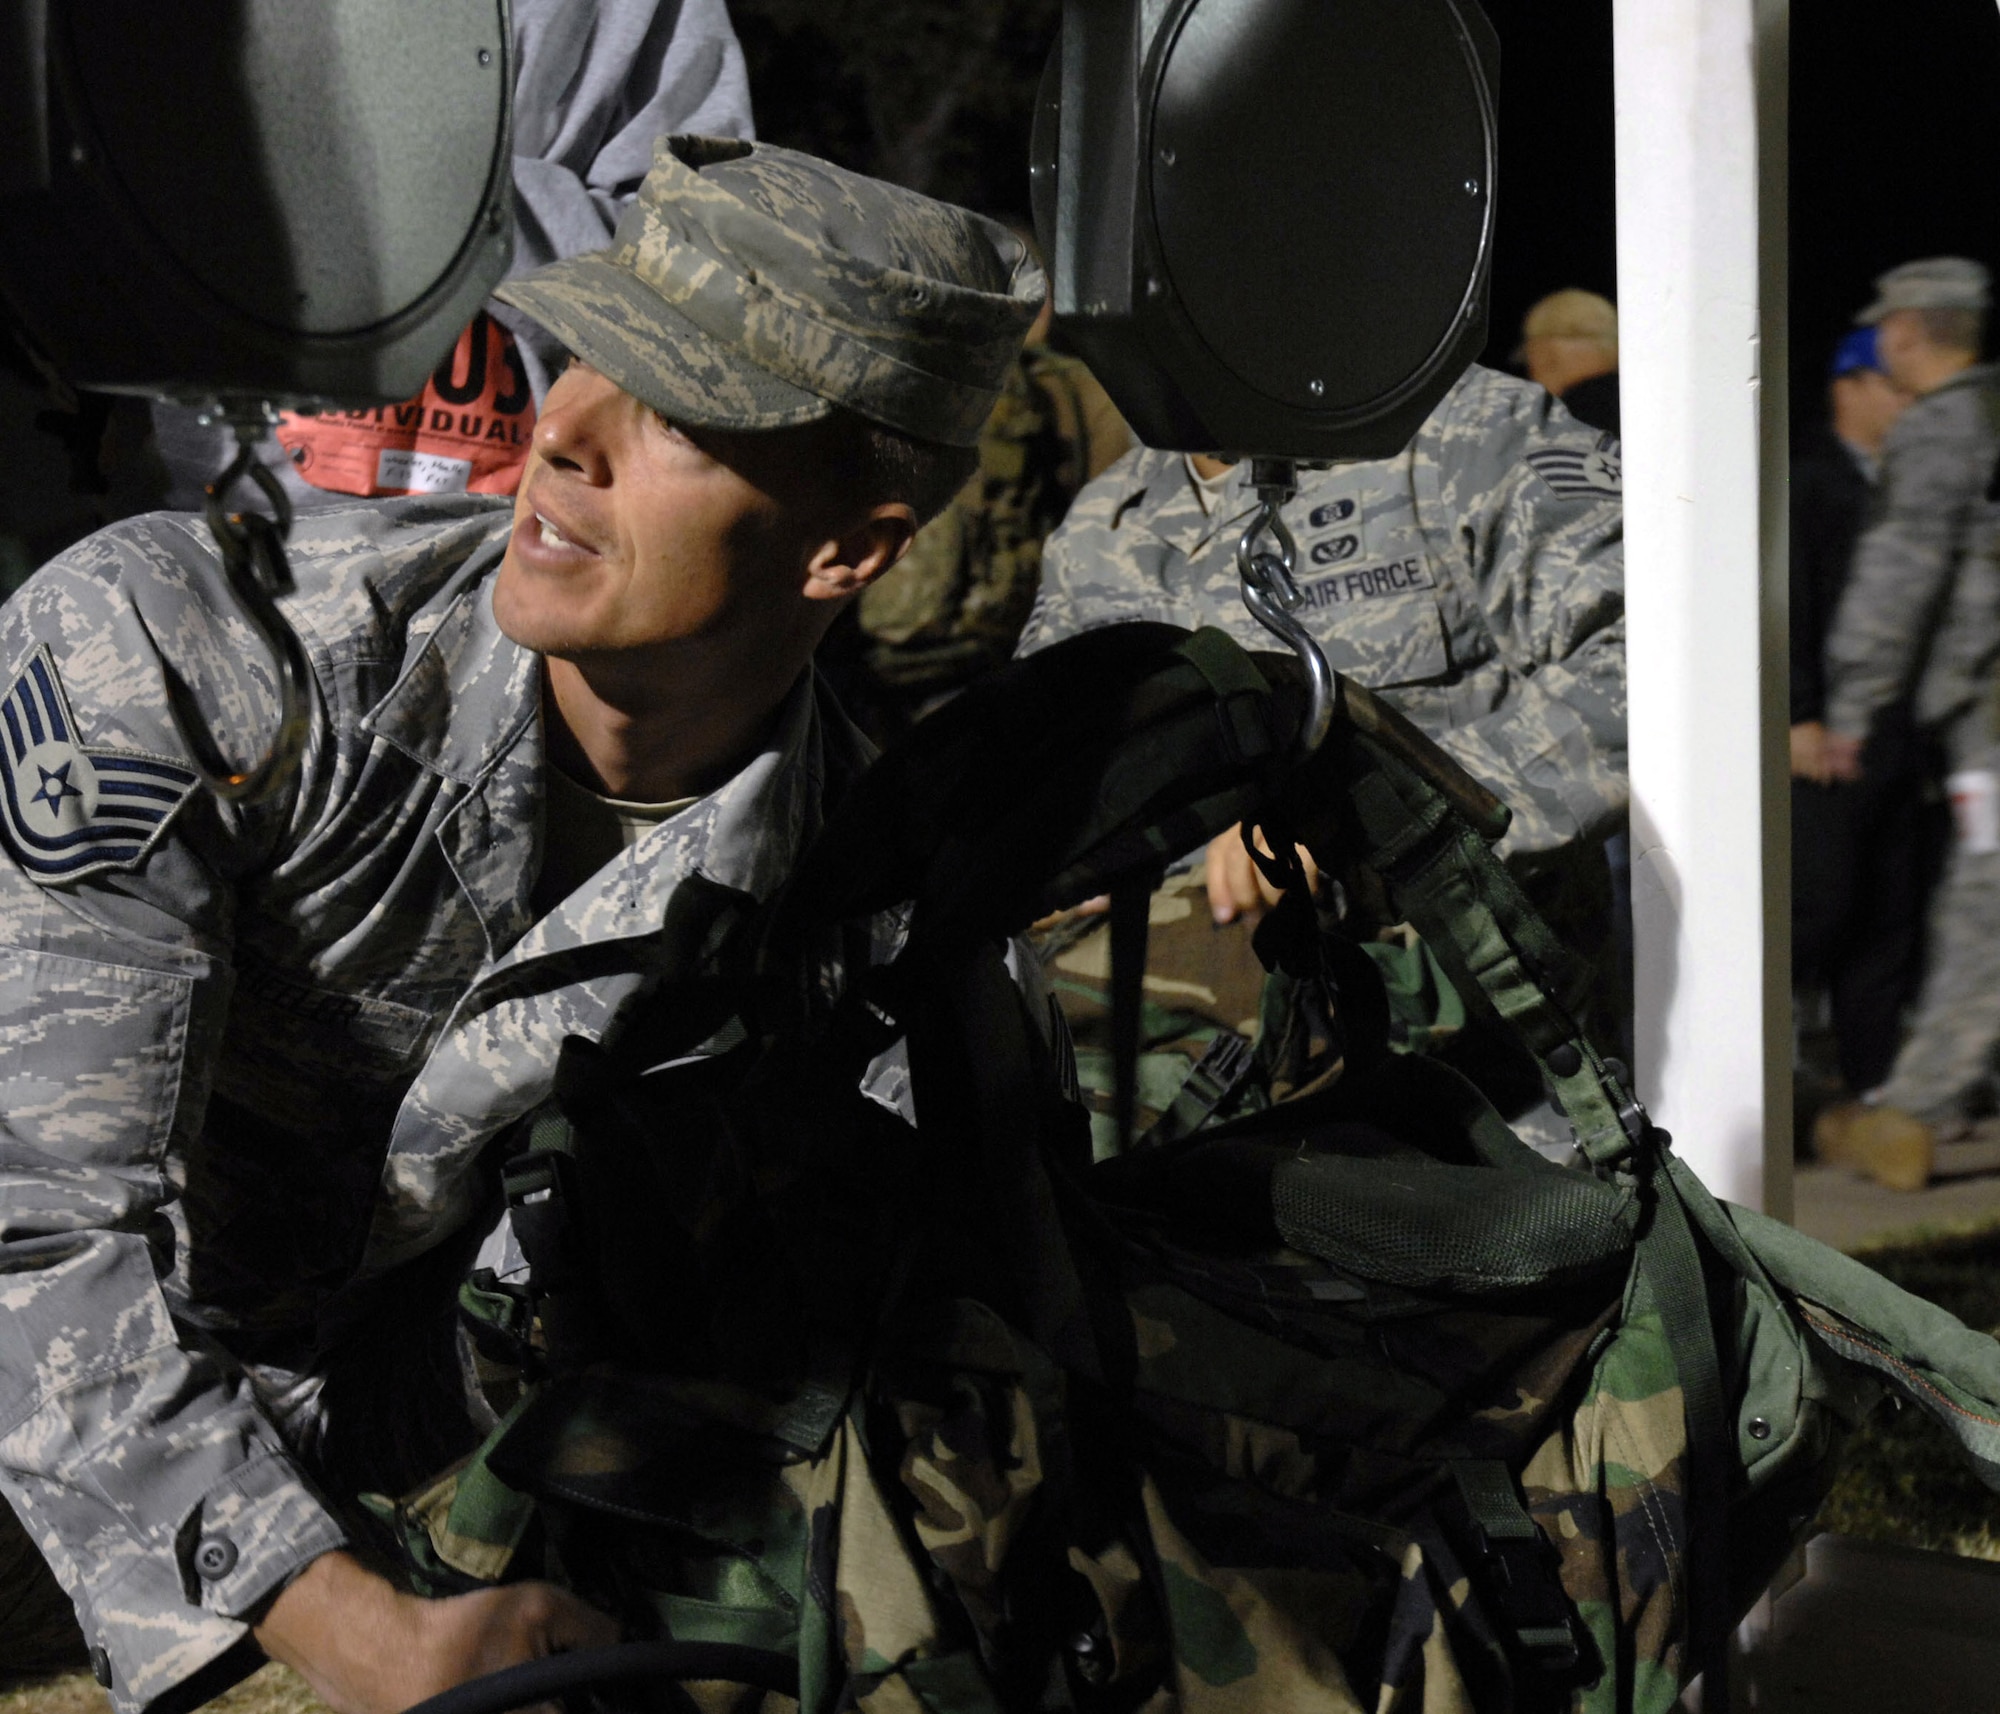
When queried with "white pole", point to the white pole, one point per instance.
{"points": [[1701, 285]]}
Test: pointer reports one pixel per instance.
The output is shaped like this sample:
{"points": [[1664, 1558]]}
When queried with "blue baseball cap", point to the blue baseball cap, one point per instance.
{"points": [[1856, 350]]}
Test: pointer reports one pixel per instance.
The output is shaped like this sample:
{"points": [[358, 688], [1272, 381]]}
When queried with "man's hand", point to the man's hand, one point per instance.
{"points": [[367, 1648], [1236, 886], [1843, 758], [1809, 752]]}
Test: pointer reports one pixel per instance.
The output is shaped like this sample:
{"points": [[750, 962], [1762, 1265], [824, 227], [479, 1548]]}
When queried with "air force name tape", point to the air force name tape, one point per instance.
{"points": [[66, 811], [1576, 474]]}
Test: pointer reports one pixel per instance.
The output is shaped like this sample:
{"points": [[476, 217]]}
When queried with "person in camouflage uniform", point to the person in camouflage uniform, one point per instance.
{"points": [[1476, 580], [953, 608], [1922, 610], [257, 1052]]}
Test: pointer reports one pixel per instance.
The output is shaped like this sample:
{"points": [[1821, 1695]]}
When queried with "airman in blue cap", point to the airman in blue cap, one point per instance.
{"points": [[1859, 847]]}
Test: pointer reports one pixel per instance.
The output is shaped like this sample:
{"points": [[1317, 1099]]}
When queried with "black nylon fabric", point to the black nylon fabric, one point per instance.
{"points": [[1040, 786]]}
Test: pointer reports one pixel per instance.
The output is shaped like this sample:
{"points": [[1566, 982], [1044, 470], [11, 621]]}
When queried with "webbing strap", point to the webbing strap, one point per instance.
{"points": [[1469, 909], [1228, 669], [1487, 1487], [1131, 902], [550, 1131], [1668, 1257], [1466, 905], [1527, 1577]]}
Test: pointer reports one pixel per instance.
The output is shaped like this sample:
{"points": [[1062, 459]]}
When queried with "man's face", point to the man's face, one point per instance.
{"points": [[1557, 362], [630, 533], [1873, 402], [1900, 344], [1539, 359]]}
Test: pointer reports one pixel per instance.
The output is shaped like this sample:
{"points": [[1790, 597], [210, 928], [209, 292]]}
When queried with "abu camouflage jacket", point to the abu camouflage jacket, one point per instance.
{"points": [[1921, 612], [1477, 580], [251, 1057]]}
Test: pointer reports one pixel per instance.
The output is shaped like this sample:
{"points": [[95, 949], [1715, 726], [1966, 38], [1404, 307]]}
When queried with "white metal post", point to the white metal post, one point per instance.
{"points": [[1701, 286]]}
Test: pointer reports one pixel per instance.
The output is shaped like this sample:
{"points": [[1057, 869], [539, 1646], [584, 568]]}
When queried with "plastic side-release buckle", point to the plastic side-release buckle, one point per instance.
{"points": [[1212, 1080], [1523, 1572]]}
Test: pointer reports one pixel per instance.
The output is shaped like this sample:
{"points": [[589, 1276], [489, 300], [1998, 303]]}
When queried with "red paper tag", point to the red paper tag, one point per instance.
{"points": [[467, 432]]}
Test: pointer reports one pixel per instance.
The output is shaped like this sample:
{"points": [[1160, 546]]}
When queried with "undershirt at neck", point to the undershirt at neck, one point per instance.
{"points": [[1208, 489], [582, 831]]}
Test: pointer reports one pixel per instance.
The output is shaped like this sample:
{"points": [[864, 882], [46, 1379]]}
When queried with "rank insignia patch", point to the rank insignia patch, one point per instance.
{"points": [[66, 811], [1577, 474]]}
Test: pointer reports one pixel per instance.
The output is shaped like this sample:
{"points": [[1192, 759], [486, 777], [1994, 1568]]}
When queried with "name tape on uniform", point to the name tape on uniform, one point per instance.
{"points": [[1369, 583], [65, 811]]}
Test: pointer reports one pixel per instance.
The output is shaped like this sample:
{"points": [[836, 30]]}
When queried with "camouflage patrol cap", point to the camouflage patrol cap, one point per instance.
{"points": [[752, 287], [1937, 282]]}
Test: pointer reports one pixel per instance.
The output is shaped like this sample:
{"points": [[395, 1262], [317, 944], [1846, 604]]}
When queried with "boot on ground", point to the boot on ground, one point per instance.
{"points": [[1833, 1131], [1896, 1149]]}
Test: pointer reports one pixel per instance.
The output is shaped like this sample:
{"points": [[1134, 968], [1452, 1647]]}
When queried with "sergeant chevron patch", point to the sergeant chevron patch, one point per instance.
{"points": [[1576, 473], [66, 812]]}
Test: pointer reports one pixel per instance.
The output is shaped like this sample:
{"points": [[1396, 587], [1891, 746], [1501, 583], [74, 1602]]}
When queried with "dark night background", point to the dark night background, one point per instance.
{"points": [[1895, 119]]}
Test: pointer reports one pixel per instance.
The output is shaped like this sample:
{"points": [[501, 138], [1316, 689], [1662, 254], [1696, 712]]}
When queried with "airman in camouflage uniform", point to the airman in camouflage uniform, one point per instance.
{"points": [[1922, 610], [1477, 580], [255, 1055]]}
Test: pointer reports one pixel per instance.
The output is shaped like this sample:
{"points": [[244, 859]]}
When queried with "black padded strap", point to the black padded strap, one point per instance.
{"points": [[1131, 901]]}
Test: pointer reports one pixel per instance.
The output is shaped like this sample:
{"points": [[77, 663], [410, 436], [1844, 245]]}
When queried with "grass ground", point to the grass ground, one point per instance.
{"points": [[1902, 1481], [274, 1690]]}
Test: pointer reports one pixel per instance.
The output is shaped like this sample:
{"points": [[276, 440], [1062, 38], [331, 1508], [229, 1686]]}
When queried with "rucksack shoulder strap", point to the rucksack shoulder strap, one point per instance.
{"points": [[1415, 817], [1421, 822]]}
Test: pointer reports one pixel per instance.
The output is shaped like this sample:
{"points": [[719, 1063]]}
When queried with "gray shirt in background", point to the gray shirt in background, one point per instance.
{"points": [[1921, 611]]}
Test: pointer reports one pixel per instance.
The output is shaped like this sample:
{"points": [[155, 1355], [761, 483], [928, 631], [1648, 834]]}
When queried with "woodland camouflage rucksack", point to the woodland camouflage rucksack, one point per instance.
{"points": [[953, 607], [1352, 1403]]}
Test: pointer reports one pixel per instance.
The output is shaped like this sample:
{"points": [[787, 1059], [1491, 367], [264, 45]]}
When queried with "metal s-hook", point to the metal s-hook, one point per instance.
{"points": [[1272, 595], [253, 560]]}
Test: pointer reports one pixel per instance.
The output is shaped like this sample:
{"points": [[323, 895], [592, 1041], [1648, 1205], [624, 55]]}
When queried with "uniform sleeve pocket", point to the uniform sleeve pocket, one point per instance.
{"points": [[91, 1071]]}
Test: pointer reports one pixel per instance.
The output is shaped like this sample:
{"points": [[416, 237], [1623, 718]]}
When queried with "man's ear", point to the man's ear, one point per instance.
{"points": [[845, 565]]}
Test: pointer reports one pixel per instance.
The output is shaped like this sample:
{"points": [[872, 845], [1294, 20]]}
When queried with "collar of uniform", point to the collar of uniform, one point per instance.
{"points": [[463, 701], [568, 975], [744, 835], [1979, 375], [1167, 504]]}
